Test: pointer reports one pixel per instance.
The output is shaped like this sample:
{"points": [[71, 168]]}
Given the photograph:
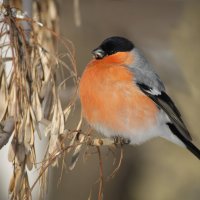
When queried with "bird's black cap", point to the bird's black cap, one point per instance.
{"points": [[111, 46]]}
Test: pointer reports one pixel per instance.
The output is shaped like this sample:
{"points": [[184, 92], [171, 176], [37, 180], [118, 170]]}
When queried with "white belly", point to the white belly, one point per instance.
{"points": [[138, 136]]}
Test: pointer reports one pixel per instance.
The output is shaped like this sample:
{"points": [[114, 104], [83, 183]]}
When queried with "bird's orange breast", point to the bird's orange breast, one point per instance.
{"points": [[110, 98]]}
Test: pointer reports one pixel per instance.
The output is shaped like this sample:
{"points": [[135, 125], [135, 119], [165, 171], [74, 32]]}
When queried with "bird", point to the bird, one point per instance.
{"points": [[122, 96]]}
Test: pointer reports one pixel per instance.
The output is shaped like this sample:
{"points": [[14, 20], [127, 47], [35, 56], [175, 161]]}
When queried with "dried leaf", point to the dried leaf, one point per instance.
{"points": [[6, 131], [29, 92], [40, 71], [12, 184], [77, 150], [4, 102], [76, 154], [37, 106], [21, 131], [35, 123], [33, 156], [12, 101], [20, 154], [9, 125], [16, 151], [12, 151], [45, 123], [67, 112], [52, 10], [29, 161], [46, 69], [55, 124], [54, 130], [28, 140], [4, 137], [53, 143], [61, 115], [47, 101]]}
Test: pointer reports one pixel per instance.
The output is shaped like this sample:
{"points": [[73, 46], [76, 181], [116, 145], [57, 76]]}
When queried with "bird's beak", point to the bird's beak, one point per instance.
{"points": [[98, 53]]}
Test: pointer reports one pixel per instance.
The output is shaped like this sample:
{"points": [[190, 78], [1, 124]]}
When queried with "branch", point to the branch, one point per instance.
{"points": [[80, 140]]}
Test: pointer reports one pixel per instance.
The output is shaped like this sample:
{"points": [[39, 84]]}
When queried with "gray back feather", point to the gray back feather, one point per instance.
{"points": [[144, 72]]}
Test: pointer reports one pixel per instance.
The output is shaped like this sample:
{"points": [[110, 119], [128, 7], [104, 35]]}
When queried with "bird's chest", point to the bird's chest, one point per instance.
{"points": [[112, 100], [119, 107]]}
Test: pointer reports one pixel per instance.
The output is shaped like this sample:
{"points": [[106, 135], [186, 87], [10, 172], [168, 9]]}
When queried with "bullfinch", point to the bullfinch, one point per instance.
{"points": [[122, 96]]}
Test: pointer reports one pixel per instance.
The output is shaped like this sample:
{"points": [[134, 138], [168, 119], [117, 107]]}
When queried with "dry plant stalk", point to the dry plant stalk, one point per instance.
{"points": [[82, 139], [30, 102], [30, 95]]}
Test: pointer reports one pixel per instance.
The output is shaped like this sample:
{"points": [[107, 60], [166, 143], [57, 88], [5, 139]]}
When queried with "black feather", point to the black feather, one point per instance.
{"points": [[164, 102], [191, 147], [115, 44], [167, 99]]}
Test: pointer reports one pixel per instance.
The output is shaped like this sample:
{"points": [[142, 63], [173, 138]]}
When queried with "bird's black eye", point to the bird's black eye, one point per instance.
{"points": [[98, 53]]}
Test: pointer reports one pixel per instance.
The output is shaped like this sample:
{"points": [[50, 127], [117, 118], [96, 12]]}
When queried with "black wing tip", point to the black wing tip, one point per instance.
{"points": [[189, 145], [167, 99], [163, 97]]}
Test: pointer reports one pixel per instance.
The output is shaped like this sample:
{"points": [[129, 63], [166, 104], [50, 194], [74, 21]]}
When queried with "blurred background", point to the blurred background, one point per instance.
{"points": [[168, 32]]}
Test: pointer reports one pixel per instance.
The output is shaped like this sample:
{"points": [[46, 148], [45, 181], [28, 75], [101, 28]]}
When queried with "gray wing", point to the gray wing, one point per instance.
{"points": [[151, 85], [144, 72]]}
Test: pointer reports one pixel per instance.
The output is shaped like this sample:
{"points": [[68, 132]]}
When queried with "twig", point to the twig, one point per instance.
{"points": [[49, 162], [100, 193], [118, 165], [85, 140]]}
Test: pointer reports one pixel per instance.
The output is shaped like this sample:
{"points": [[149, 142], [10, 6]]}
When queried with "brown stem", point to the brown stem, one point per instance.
{"points": [[100, 194]]}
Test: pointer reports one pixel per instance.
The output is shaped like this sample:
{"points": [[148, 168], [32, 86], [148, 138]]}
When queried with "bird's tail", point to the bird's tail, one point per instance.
{"points": [[189, 145]]}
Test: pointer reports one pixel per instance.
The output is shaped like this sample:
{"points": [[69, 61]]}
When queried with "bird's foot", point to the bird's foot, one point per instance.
{"points": [[121, 140]]}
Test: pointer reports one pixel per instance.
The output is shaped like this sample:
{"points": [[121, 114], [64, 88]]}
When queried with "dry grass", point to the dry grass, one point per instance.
{"points": [[30, 102]]}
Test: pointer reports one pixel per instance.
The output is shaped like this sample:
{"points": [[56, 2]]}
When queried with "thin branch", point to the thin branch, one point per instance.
{"points": [[100, 193], [118, 165], [87, 140]]}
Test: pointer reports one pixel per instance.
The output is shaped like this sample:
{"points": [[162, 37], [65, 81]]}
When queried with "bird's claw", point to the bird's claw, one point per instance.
{"points": [[121, 140]]}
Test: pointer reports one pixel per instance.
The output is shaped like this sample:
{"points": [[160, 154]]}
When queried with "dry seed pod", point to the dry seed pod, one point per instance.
{"points": [[76, 154], [29, 161], [20, 154], [47, 101], [53, 143], [35, 123], [12, 150], [6, 129], [37, 106], [12, 184], [21, 132], [33, 94], [4, 99], [12, 100], [61, 116], [28, 129]]}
